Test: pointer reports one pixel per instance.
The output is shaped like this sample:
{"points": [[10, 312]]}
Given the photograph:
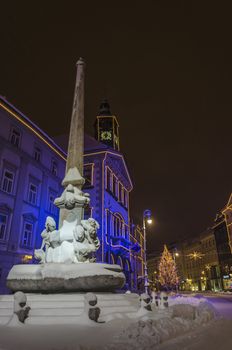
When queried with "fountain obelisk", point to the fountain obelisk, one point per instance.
{"points": [[76, 134], [73, 180]]}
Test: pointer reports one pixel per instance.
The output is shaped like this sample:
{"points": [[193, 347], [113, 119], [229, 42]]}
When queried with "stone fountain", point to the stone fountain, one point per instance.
{"points": [[66, 256]]}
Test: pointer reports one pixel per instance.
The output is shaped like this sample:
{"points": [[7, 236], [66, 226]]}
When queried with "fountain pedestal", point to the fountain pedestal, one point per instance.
{"points": [[51, 277]]}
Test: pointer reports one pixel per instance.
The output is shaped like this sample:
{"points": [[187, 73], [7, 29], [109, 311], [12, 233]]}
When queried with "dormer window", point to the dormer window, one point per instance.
{"points": [[15, 137], [37, 154]]}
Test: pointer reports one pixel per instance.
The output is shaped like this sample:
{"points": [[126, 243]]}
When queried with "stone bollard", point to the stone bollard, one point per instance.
{"points": [[21, 309], [145, 302], [163, 300], [155, 299], [91, 308]]}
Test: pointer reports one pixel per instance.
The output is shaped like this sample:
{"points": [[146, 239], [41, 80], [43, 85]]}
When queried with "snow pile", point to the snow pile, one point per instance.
{"points": [[191, 300], [145, 334]]}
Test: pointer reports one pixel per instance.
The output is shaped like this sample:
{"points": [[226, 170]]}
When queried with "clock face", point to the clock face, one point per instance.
{"points": [[106, 135]]}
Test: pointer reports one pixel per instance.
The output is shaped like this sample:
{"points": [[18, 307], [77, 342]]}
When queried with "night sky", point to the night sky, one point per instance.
{"points": [[166, 69]]}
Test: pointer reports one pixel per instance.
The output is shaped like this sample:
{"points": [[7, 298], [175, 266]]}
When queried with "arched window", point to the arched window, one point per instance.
{"points": [[118, 225]]}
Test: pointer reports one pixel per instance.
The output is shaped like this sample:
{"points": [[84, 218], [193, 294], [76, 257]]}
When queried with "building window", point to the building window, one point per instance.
{"points": [[88, 175], [125, 198], [108, 223], [114, 186], [51, 206], [3, 226], [37, 154], [126, 231], [15, 137], [120, 189], [7, 181], [32, 193], [118, 225], [108, 179], [27, 234], [54, 168]]}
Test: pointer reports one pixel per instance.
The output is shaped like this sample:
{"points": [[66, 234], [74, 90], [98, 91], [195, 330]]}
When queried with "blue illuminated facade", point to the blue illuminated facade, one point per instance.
{"points": [[32, 168]]}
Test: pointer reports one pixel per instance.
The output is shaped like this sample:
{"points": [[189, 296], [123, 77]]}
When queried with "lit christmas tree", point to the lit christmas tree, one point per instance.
{"points": [[168, 277]]}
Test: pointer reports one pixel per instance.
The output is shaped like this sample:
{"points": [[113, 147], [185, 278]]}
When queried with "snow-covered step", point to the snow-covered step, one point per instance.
{"points": [[67, 308]]}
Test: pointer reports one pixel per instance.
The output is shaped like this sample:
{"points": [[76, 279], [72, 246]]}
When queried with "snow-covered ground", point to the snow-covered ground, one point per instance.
{"points": [[190, 323]]}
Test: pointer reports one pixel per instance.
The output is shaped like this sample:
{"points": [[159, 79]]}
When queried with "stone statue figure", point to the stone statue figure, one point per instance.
{"points": [[85, 240], [72, 243], [50, 225]]}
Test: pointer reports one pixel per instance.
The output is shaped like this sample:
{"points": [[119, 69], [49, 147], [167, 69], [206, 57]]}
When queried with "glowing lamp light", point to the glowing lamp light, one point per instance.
{"points": [[149, 221]]}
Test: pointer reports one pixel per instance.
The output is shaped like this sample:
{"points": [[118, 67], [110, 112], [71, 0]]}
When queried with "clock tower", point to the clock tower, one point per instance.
{"points": [[106, 126]]}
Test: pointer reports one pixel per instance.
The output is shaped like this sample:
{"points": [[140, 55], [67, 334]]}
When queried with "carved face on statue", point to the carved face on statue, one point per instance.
{"points": [[50, 224]]}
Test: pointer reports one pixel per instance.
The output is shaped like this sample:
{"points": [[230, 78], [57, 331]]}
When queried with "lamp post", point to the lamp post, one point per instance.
{"points": [[176, 255], [146, 219]]}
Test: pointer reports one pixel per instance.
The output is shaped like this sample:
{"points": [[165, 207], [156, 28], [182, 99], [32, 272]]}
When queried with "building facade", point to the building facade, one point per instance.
{"points": [[223, 242], [198, 264], [32, 168]]}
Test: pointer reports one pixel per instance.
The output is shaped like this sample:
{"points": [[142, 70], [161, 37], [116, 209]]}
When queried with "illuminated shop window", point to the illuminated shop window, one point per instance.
{"points": [[32, 194], [37, 154], [27, 234], [88, 175], [27, 259], [15, 137], [3, 226]]}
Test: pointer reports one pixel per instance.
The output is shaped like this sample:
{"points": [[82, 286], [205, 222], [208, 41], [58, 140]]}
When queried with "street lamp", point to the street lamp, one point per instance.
{"points": [[176, 255], [146, 219]]}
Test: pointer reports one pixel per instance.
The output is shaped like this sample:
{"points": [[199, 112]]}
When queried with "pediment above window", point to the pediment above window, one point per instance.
{"points": [[4, 208], [29, 217]]}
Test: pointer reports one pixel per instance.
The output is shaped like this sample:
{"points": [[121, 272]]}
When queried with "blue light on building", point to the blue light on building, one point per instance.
{"points": [[32, 168]]}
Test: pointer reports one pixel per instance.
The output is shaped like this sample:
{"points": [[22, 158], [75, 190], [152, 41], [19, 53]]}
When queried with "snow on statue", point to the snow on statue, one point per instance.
{"points": [[73, 243]]}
